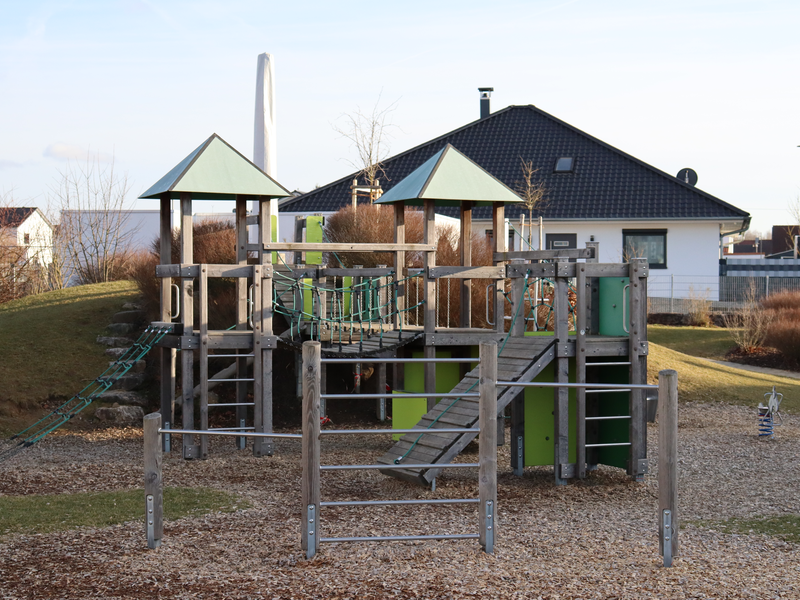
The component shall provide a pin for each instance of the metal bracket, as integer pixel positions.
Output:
(167, 447)
(311, 537)
(152, 542)
(641, 466)
(191, 452)
(520, 455)
(190, 342)
(666, 549)
(644, 349)
(567, 470)
(489, 547)
(241, 442)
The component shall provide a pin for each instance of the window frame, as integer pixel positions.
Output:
(643, 232)
(571, 166)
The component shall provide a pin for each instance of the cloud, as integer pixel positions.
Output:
(8, 164)
(61, 151)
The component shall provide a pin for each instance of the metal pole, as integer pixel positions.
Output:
(153, 488)
(668, 464)
(487, 477)
(312, 351)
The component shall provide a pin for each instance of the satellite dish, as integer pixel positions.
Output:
(687, 176)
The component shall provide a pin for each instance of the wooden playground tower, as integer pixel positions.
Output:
(597, 332)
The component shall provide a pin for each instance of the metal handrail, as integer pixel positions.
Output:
(624, 316)
(554, 384)
(177, 301)
(233, 433)
(392, 395)
(394, 431)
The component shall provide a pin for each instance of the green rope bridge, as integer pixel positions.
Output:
(61, 415)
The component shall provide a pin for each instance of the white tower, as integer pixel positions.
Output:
(264, 139)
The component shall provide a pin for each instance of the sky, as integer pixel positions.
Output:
(707, 84)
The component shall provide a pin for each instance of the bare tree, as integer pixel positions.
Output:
(369, 134)
(532, 191)
(92, 237)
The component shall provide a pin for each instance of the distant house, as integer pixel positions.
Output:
(593, 192)
(27, 230)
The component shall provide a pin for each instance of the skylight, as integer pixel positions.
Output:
(564, 164)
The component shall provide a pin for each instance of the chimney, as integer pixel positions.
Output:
(486, 94)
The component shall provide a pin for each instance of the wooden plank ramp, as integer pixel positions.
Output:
(522, 359)
(355, 345)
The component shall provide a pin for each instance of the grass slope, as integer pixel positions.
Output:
(46, 513)
(706, 342)
(701, 380)
(47, 346)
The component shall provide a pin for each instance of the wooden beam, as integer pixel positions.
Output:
(166, 355)
(399, 260)
(465, 319)
(467, 273)
(581, 332)
(187, 318)
(429, 258)
(563, 254)
(561, 399)
(325, 247)
(262, 369)
(499, 236)
(637, 466)
(241, 311)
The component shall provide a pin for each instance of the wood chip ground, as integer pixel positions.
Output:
(595, 539)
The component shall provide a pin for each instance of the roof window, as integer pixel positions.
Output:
(564, 164)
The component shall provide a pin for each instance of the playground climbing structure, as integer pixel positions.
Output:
(556, 315)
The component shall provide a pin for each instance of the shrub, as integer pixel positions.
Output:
(699, 308)
(783, 334)
(214, 243)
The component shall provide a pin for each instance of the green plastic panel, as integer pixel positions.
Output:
(612, 294)
(314, 236)
(540, 420)
(613, 404)
(406, 412)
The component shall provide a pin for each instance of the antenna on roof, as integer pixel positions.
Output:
(687, 176)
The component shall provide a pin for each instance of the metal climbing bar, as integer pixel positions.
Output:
(312, 469)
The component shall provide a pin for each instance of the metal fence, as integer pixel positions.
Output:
(686, 293)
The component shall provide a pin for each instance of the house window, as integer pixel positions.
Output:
(26, 239)
(646, 243)
(564, 164)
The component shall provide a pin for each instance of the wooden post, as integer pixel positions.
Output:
(518, 298)
(399, 260)
(637, 463)
(299, 224)
(312, 353)
(668, 465)
(561, 400)
(166, 355)
(153, 487)
(465, 319)
(187, 317)
(580, 366)
(429, 237)
(203, 310)
(262, 361)
(487, 476)
(593, 298)
(499, 236)
(241, 314)
(592, 320)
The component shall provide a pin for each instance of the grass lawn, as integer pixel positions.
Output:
(785, 527)
(706, 342)
(46, 513)
(47, 345)
(700, 380)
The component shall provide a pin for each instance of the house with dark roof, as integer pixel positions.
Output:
(28, 228)
(593, 192)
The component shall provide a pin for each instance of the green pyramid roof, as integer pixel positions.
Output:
(449, 178)
(216, 171)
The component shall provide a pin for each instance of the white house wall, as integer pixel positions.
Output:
(692, 251)
(40, 236)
